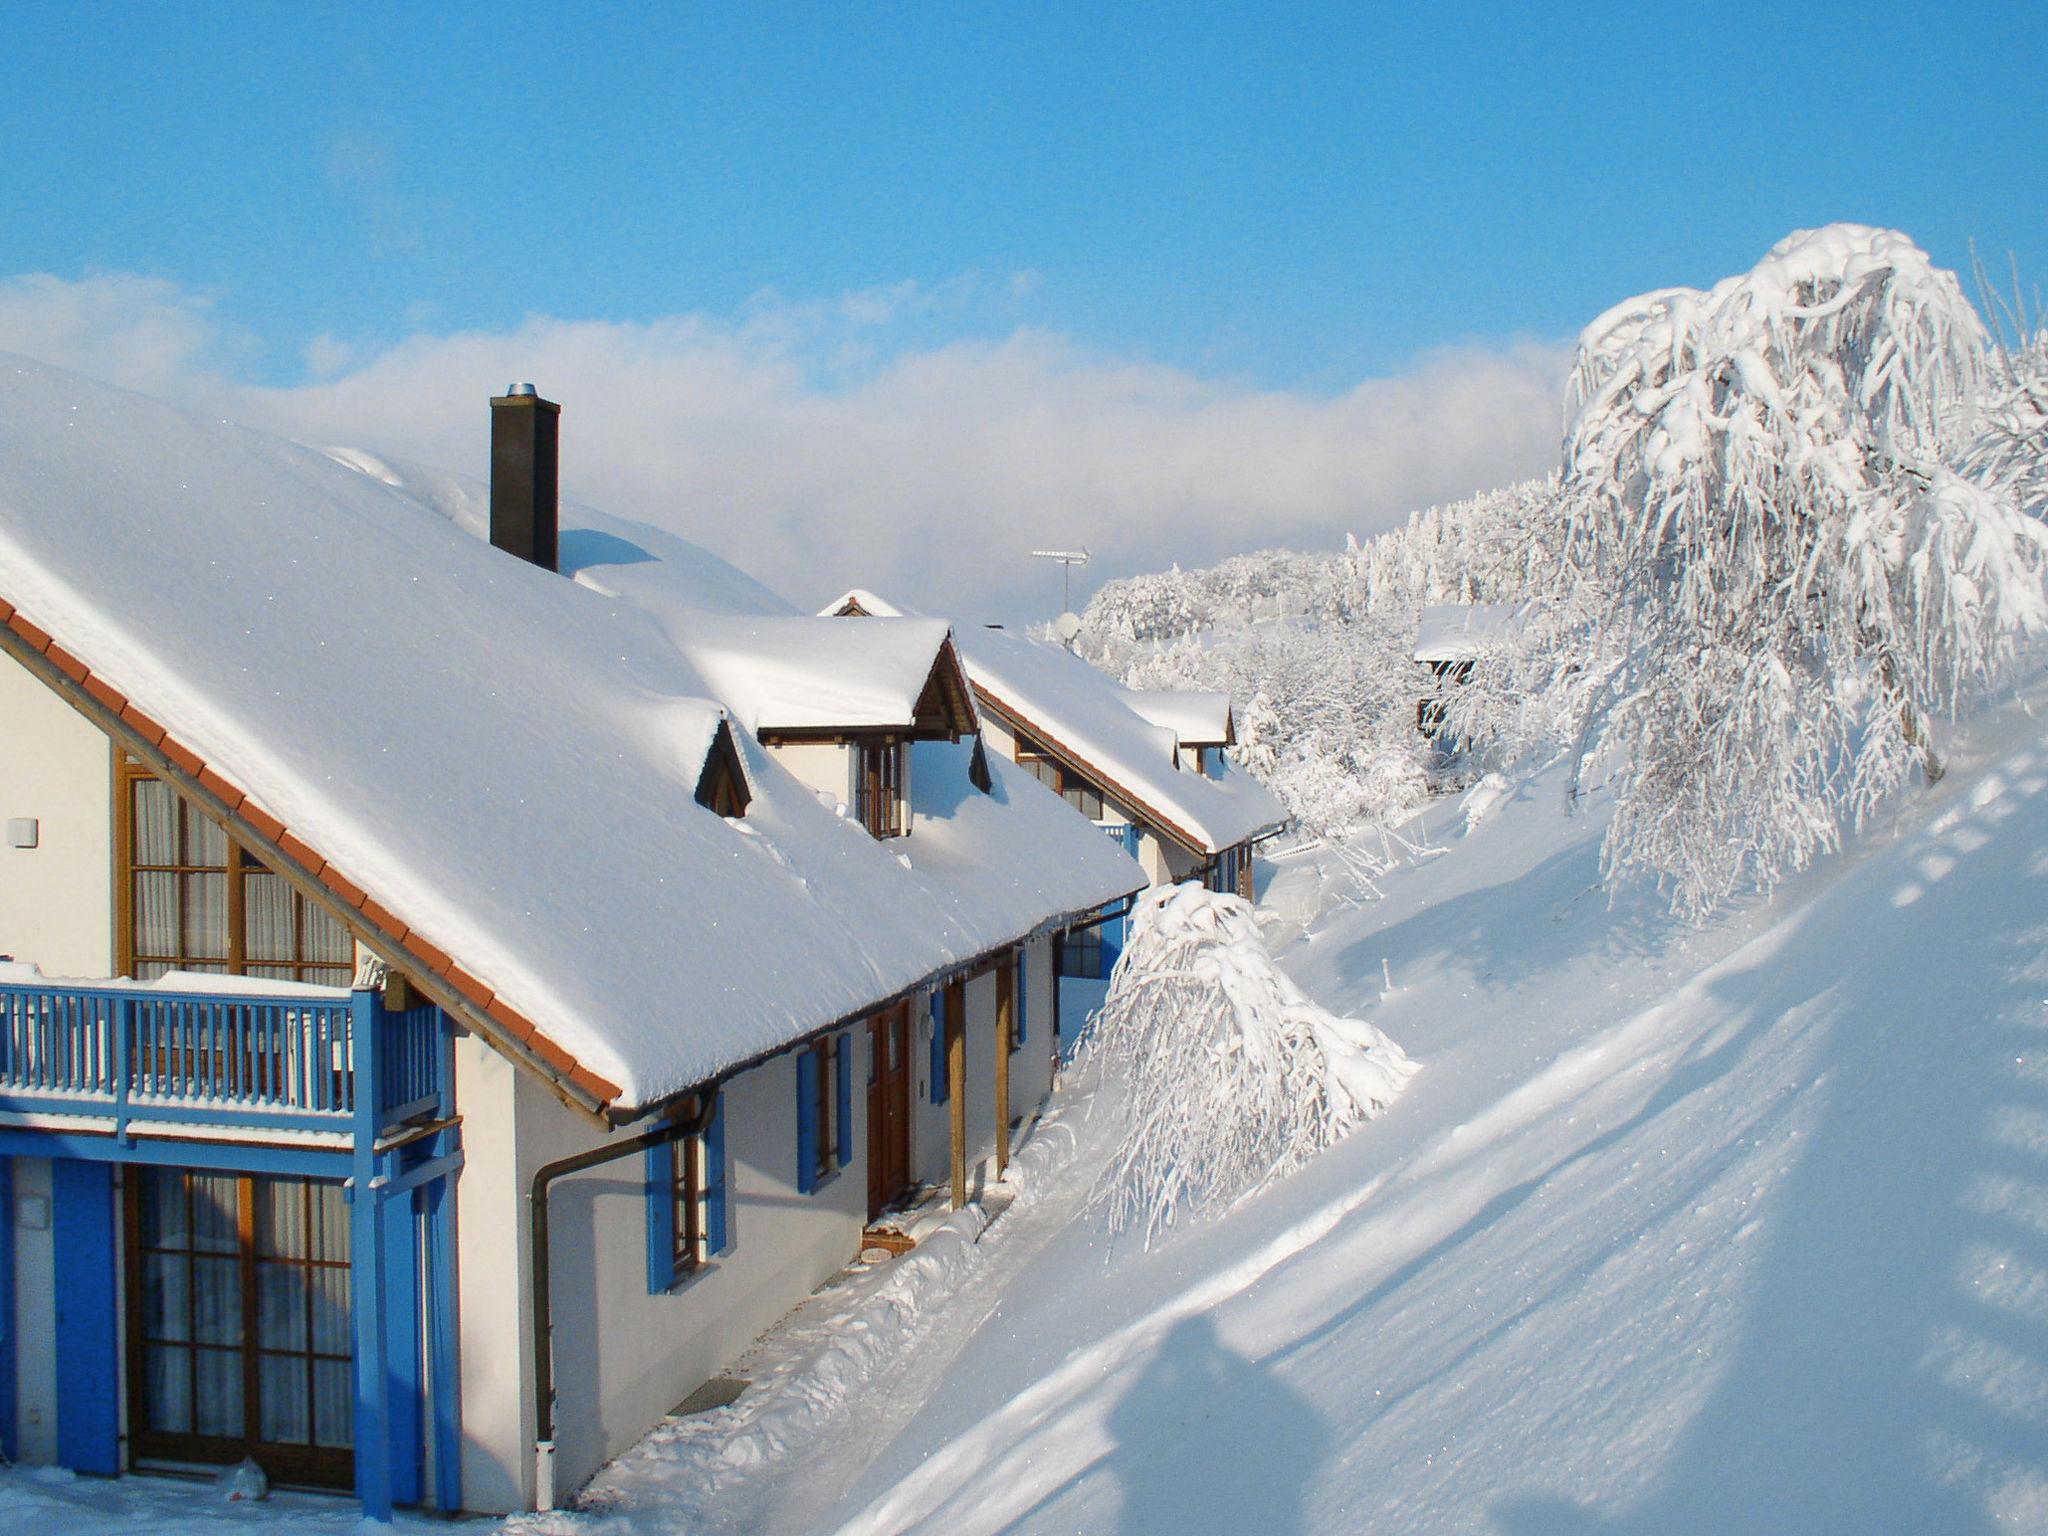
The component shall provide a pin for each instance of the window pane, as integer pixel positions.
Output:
(206, 916)
(166, 1296)
(163, 1209)
(281, 1306)
(268, 906)
(281, 1218)
(216, 1200)
(217, 1392)
(334, 1401)
(167, 1388)
(156, 914)
(281, 1389)
(323, 938)
(217, 1301)
(330, 1222)
(329, 1299)
(156, 822)
(205, 841)
(328, 975)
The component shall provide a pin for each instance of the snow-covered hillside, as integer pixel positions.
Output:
(1734, 1229)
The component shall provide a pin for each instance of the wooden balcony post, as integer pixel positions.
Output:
(366, 1267)
(956, 1076)
(1006, 1039)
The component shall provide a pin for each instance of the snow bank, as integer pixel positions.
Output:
(1225, 1074)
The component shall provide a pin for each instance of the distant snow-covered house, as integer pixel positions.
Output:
(1449, 639)
(452, 1003)
(1146, 766)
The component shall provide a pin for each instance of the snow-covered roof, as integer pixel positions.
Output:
(786, 675)
(1086, 717)
(859, 602)
(1198, 719)
(494, 766)
(777, 669)
(1460, 631)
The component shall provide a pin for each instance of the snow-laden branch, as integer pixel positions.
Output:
(1225, 1074)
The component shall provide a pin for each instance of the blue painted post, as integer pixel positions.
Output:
(124, 1026)
(402, 1377)
(88, 1368)
(806, 1121)
(367, 1272)
(444, 1340)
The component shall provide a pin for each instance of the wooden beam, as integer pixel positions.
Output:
(1006, 1038)
(956, 1075)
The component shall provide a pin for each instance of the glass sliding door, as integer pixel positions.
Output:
(238, 1314)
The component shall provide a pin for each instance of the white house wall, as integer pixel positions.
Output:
(56, 899)
(623, 1357)
(824, 766)
(1031, 1065)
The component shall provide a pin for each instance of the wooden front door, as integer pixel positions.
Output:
(239, 1341)
(888, 1108)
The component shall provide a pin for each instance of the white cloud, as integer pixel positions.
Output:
(930, 472)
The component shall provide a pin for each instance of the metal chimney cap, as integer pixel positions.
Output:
(520, 389)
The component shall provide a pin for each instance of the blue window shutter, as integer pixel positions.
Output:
(842, 1058)
(715, 1181)
(1021, 1002)
(806, 1121)
(939, 1084)
(661, 1219)
(88, 1348)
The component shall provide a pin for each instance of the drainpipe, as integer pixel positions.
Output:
(543, 1309)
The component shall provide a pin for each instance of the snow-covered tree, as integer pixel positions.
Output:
(1792, 580)
(1223, 1073)
(1317, 648)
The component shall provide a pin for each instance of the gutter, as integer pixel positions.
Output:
(543, 1299)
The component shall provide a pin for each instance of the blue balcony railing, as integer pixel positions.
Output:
(145, 1053)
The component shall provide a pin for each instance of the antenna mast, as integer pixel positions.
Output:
(1067, 559)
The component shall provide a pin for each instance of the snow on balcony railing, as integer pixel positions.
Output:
(277, 1054)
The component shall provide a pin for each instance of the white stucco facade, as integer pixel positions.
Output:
(57, 898)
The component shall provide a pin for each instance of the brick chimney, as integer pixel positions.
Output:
(525, 500)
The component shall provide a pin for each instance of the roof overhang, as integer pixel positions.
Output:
(1066, 757)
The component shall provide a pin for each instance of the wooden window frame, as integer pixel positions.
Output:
(689, 1249)
(878, 785)
(1084, 941)
(289, 1462)
(241, 863)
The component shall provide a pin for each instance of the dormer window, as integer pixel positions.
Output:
(722, 787)
(878, 786)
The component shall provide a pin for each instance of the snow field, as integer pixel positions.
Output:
(1735, 1229)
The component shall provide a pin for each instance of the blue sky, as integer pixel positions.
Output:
(1273, 200)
